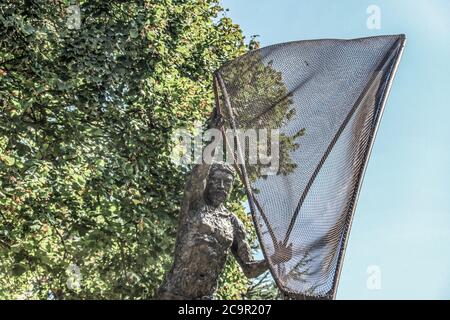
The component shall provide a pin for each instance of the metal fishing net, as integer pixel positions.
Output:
(324, 99)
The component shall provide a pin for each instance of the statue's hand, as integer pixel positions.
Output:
(217, 119)
(282, 253)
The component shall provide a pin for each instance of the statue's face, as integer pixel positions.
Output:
(218, 187)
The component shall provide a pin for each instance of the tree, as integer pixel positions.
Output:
(89, 198)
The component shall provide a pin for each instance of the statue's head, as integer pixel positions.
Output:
(219, 184)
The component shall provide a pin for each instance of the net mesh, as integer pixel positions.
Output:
(324, 99)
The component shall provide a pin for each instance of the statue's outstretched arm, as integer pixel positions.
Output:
(195, 187)
(196, 182)
(242, 252)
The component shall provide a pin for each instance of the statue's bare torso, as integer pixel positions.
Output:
(200, 254)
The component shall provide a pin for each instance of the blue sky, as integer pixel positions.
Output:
(402, 221)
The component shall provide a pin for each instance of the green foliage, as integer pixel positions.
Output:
(86, 117)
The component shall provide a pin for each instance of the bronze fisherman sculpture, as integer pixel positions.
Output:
(206, 232)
